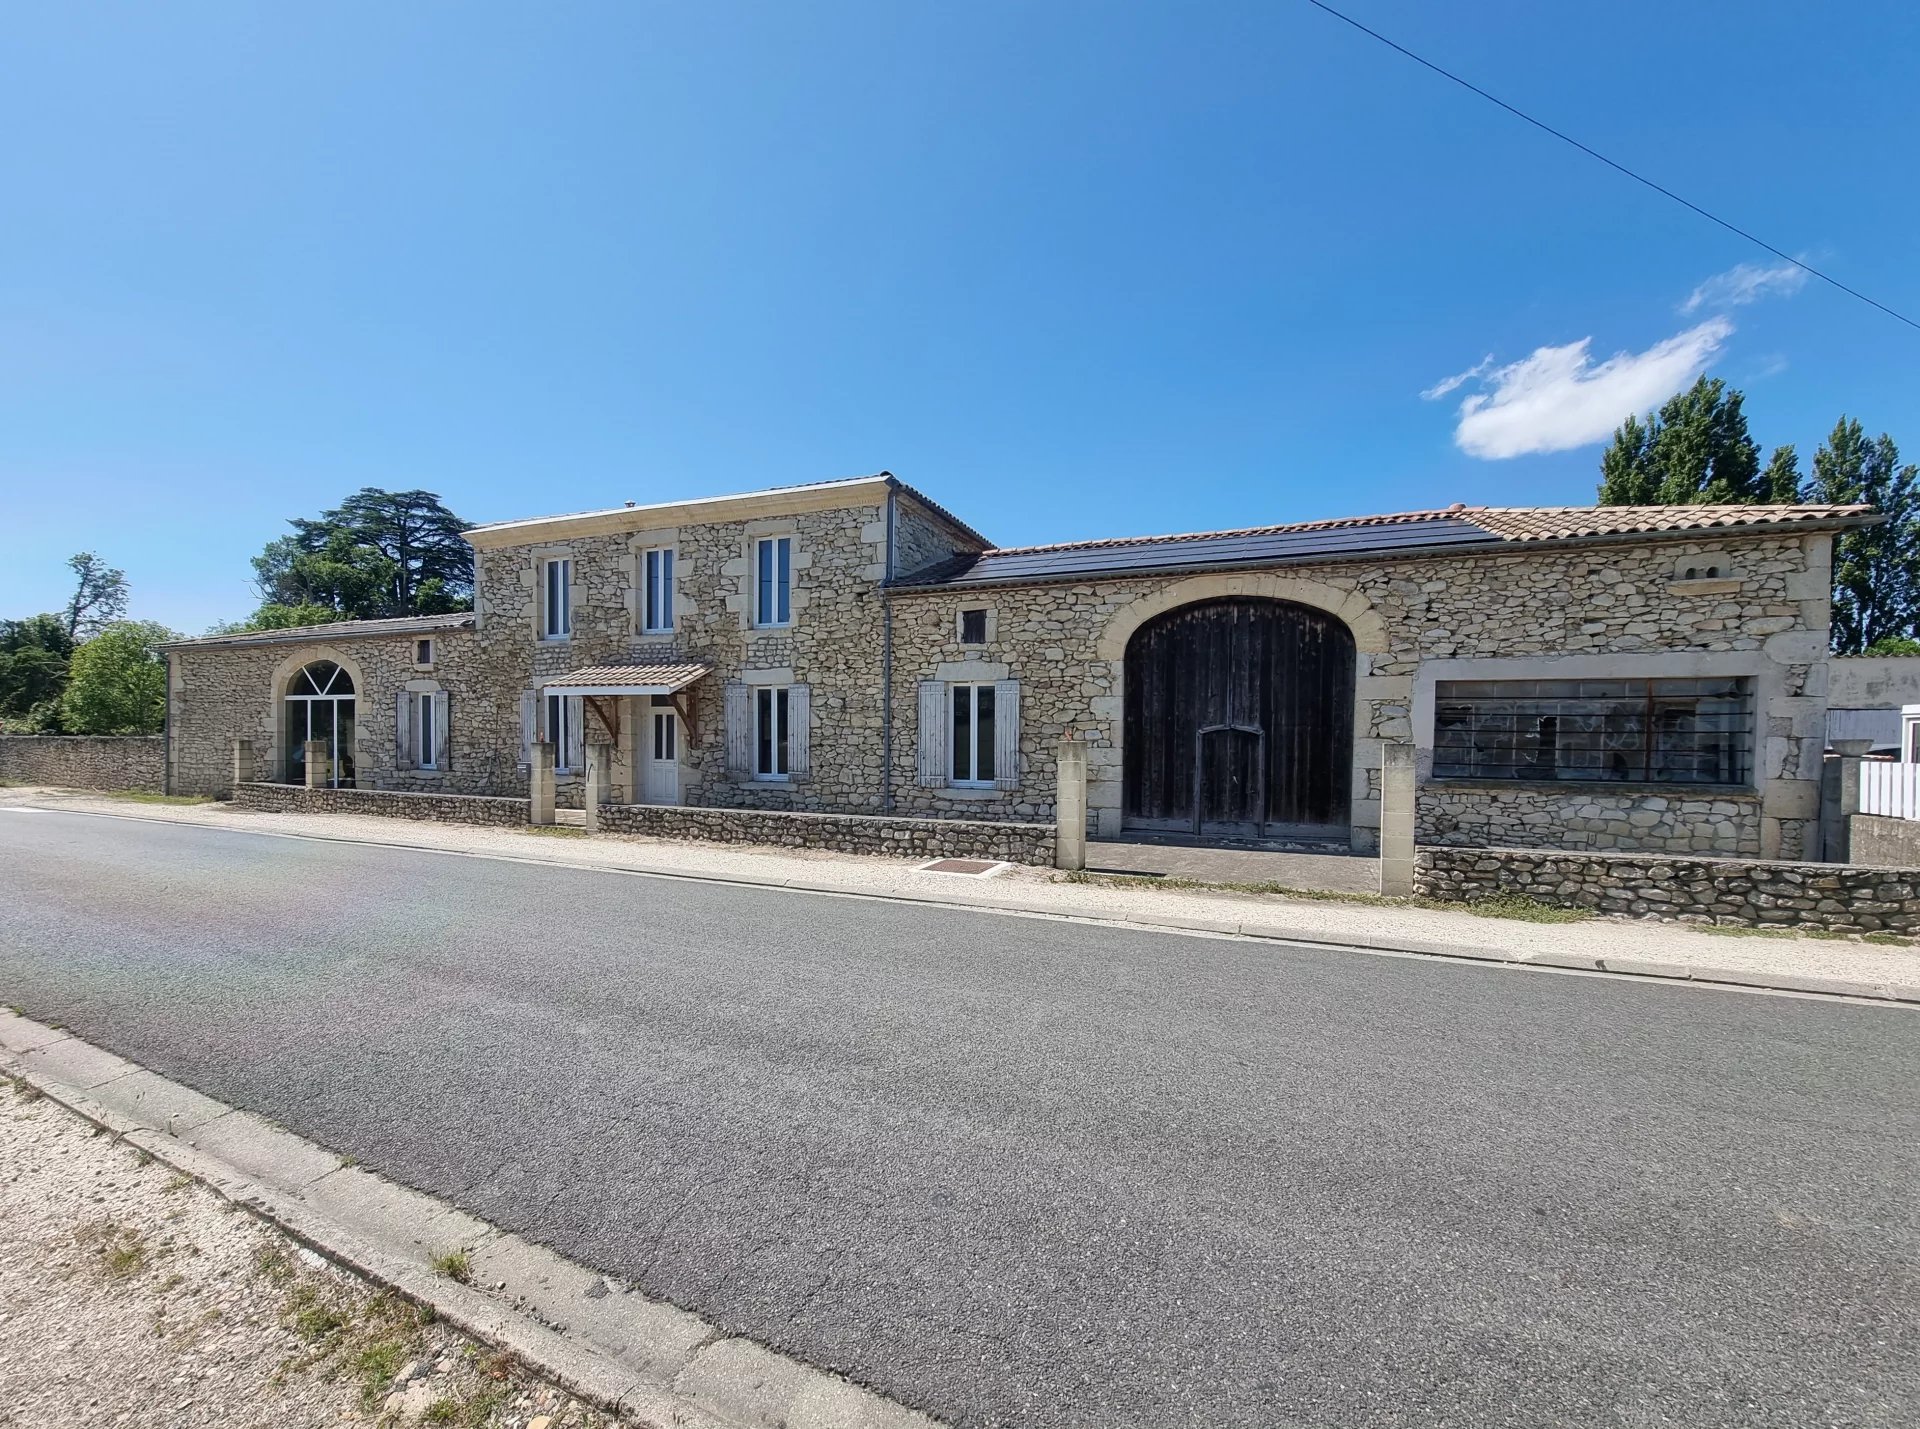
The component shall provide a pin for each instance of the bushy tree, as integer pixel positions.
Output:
(1694, 450)
(1876, 570)
(117, 681)
(33, 671)
(379, 553)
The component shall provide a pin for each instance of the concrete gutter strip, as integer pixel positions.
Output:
(641, 1359)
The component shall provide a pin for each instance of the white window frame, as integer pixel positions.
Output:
(773, 702)
(773, 591)
(969, 692)
(664, 719)
(554, 723)
(556, 613)
(658, 569)
(424, 733)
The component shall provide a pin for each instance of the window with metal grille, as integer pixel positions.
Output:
(1654, 731)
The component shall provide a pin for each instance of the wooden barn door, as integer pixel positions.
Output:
(1239, 722)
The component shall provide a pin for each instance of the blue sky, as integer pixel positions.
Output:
(1074, 269)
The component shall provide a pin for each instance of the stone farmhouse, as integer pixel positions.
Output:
(1628, 678)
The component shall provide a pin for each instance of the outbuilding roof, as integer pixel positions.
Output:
(1462, 529)
(334, 630)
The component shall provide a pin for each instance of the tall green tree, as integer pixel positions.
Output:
(277, 617)
(1695, 449)
(377, 554)
(99, 596)
(1780, 483)
(117, 681)
(33, 671)
(1876, 571)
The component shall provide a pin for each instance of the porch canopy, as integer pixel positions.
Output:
(661, 679)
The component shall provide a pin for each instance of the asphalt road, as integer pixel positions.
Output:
(1020, 1172)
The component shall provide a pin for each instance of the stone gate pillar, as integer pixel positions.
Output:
(540, 785)
(244, 771)
(1396, 820)
(319, 764)
(1070, 807)
(599, 774)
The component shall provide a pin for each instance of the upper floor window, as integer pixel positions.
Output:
(1677, 731)
(973, 626)
(423, 652)
(773, 581)
(656, 593)
(557, 616)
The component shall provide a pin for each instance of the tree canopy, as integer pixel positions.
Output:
(1694, 450)
(1876, 571)
(377, 554)
(33, 670)
(117, 681)
(99, 596)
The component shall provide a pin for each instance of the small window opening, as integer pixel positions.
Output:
(973, 627)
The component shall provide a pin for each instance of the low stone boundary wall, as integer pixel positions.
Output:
(393, 803)
(1842, 898)
(1874, 841)
(84, 761)
(842, 833)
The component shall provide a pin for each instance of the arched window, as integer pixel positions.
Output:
(319, 705)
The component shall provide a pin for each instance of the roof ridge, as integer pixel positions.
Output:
(1323, 524)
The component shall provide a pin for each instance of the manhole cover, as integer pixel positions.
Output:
(970, 867)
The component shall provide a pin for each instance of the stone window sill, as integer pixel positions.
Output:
(1589, 787)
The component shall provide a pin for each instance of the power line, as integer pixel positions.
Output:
(1622, 168)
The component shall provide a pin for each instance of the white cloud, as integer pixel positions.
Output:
(1558, 398)
(1743, 284)
(1459, 379)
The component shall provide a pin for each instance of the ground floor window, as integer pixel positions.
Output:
(1659, 731)
(771, 739)
(424, 731)
(973, 737)
(320, 706)
(560, 732)
(666, 730)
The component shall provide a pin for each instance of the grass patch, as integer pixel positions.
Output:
(469, 1413)
(1514, 906)
(1825, 935)
(151, 796)
(456, 1265)
(555, 831)
(122, 1250)
(375, 1367)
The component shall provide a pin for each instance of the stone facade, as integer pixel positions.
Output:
(862, 650)
(83, 761)
(843, 833)
(222, 692)
(393, 803)
(1751, 893)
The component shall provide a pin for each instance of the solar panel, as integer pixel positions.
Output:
(1212, 552)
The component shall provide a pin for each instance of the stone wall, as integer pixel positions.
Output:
(843, 833)
(1877, 842)
(393, 803)
(1592, 816)
(1749, 892)
(83, 761)
(219, 693)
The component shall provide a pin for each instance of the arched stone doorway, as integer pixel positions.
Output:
(1239, 722)
(319, 704)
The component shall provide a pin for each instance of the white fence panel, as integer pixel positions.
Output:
(1891, 790)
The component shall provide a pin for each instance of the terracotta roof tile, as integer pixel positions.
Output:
(667, 677)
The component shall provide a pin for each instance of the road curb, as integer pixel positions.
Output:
(641, 1359)
(1705, 975)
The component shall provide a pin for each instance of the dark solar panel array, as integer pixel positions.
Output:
(1210, 552)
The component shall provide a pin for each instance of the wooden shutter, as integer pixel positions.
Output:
(1006, 734)
(441, 744)
(576, 734)
(529, 719)
(799, 728)
(933, 734)
(403, 757)
(739, 729)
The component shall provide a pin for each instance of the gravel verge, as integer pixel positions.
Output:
(133, 1296)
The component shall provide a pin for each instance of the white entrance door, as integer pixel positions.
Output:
(661, 758)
